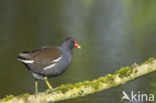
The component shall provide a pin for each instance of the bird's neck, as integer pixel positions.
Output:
(66, 49)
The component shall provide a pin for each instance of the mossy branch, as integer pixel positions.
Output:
(69, 91)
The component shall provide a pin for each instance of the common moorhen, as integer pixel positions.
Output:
(48, 61)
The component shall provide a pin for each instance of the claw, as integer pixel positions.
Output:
(51, 90)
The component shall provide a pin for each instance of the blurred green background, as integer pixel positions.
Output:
(112, 34)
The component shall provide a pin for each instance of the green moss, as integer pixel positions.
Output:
(87, 83)
(8, 97)
(77, 85)
(109, 77)
(149, 60)
(64, 90)
(66, 87)
(96, 85)
(69, 86)
(125, 71)
(101, 79)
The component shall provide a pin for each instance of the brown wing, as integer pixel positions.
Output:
(44, 55)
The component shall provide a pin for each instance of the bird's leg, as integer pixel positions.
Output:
(48, 84)
(36, 85)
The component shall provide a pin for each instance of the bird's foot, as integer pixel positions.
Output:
(51, 90)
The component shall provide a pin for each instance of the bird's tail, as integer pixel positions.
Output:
(24, 57)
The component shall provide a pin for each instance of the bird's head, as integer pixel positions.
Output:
(70, 43)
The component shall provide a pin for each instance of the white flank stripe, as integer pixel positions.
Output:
(50, 66)
(56, 60)
(27, 61)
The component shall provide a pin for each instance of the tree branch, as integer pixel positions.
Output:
(80, 89)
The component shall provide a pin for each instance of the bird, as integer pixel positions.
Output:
(48, 61)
